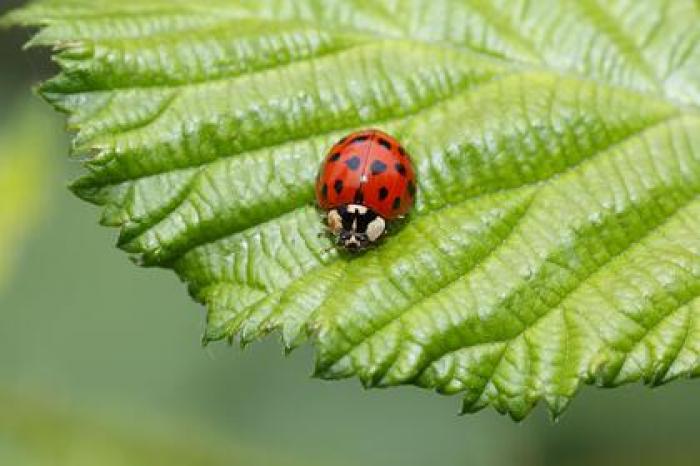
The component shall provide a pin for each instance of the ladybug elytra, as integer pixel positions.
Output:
(365, 180)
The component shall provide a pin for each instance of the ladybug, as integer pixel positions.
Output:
(365, 180)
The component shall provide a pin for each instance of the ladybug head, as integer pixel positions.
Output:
(355, 226)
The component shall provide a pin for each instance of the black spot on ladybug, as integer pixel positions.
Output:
(402, 151)
(338, 186)
(359, 139)
(378, 167)
(364, 220)
(384, 143)
(324, 190)
(412, 188)
(340, 141)
(401, 169)
(334, 157)
(397, 203)
(346, 217)
(359, 197)
(383, 193)
(353, 163)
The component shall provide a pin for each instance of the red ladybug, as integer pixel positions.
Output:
(366, 179)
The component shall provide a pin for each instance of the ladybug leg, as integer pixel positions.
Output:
(329, 249)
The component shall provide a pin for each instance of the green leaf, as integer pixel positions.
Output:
(555, 237)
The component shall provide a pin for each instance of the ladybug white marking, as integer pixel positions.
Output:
(375, 228)
(335, 223)
(355, 225)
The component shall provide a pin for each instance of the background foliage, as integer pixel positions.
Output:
(22, 181)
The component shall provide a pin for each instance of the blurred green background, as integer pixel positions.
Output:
(100, 361)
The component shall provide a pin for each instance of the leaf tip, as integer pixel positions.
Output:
(84, 189)
(557, 405)
(323, 370)
(136, 259)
